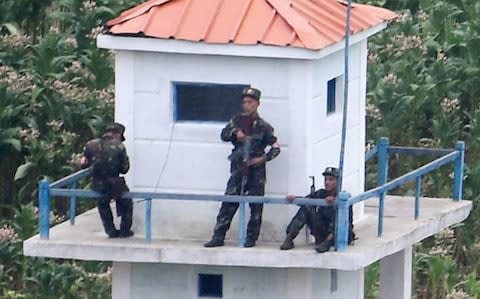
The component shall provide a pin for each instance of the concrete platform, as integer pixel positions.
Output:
(86, 241)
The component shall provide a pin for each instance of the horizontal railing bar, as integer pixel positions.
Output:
(419, 151)
(70, 178)
(364, 196)
(78, 192)
(371, 153)
(199, 197)
(420, 171)
(404, 178)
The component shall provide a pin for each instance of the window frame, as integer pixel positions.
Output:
(334, 95)
(331, 96)
(176, 106)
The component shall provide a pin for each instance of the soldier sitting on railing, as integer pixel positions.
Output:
(320, 219)
(107, 158)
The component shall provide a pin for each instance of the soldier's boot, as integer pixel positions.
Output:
(288, 243)
(113, 233)
(107, 219)
(292, 232)
(325, 245)
(214, 242)
(126, 214)
(224, 219)
(125, 233)
(254, 224)
(249, 243)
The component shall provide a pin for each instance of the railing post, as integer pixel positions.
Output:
(382, 179)
(458, 171)
(341, 239)
(418, 193)
(44, 203)
(241, 224)
(73, 204)
(148, 220)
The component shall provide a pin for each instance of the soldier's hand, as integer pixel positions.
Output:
(241, 136)
(330, 199)
(256, 161)
(291, 197)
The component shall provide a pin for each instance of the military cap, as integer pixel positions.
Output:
(116, 128)
(331, 171)
(251, 92)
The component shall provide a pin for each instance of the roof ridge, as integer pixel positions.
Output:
(306, 33)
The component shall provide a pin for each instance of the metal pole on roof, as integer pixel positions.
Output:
(333, 272)
(345, 96)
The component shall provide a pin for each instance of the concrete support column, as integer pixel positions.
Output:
(299, 283)
(396, 275)
(121, 280)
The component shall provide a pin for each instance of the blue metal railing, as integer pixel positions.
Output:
(381, 151)
(48, 190)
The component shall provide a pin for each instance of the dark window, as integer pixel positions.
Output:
(207, 102)
(331, 96)
(210, 285)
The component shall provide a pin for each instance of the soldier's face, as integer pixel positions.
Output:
(250, 105)
(330, 183)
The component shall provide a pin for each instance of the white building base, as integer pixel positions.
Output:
(165, 268)
(166, 281)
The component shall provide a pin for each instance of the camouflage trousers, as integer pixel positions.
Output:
(112, 189)
(255, 186)
(320, 220)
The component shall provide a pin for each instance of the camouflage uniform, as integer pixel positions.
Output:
(262, 135)
(319, 219)
(108, 158)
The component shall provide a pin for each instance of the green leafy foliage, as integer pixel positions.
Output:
(424, 90)
(56, 92)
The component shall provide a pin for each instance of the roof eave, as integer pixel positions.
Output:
(123, 43)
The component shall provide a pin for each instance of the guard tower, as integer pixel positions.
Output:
(173, 57)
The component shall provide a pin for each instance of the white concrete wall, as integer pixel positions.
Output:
(158, 281)
(189, 157)
(327, 128)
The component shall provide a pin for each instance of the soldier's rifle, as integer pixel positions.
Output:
(245, 162)
(312, 186)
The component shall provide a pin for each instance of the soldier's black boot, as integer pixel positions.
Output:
(125, 225)
(214, 242)
(249, 243)
(324, 246)
(287, 244)
(219, 231)
(107, 218)
(125, 233)
(113, 233)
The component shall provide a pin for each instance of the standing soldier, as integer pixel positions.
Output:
(250, 135)
(108, 158)
(320, 219)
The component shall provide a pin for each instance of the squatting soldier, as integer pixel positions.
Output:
(108, 158)
(250, 135)
(319, 219)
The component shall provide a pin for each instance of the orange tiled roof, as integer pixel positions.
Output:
(311, 24)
